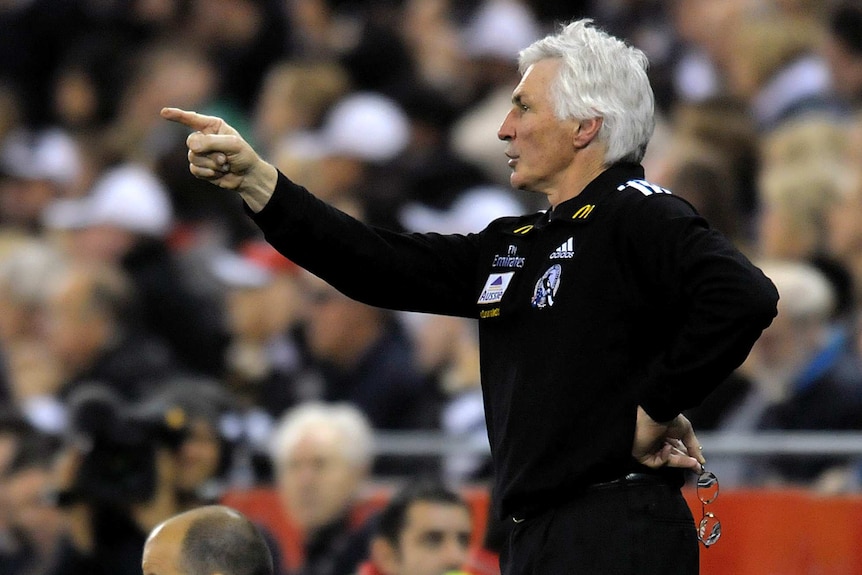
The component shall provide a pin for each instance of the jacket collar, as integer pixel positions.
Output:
(581, 206)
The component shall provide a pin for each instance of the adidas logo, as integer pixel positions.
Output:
(565, 251)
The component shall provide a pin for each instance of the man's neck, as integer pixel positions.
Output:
(585, 168)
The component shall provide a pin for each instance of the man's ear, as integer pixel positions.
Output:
(384, 556)
(585, 132)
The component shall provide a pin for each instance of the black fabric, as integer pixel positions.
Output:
(619, 529)
(649, 307)
(336, 549)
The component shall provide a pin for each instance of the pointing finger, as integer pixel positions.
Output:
(193, 120)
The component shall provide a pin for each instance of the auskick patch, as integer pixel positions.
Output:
(495, 287)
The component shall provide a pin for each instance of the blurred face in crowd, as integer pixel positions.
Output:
(539, 146)
(102, 243)
(257, 314)
(434, 541)
(845, 66)
(22, 201)
(28, 510)
(75, 331)
(338, 329)
(199, 456)
(317, 480)
(844, 228)
(782, 350)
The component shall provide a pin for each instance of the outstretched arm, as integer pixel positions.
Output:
(217, 153)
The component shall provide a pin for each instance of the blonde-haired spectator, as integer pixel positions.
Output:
(804, 140)
(844, 229)
(296, 96)
(795, 205)
(776, 69)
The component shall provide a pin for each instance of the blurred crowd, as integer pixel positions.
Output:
(142, 312)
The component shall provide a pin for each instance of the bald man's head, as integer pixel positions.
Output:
(207, 541)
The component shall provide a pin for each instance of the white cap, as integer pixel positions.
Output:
(130, 197)
(501, 28)
(363, 125)
(51, 155)
(235, 271)
(474, 209)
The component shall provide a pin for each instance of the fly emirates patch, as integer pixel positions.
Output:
(510, 260)
(495, 287)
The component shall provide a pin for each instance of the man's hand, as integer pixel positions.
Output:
(672, 444)
(217, 153)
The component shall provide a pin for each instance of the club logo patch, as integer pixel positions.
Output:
(546, 287)
(495, 287)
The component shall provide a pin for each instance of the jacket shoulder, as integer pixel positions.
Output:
(643, 195)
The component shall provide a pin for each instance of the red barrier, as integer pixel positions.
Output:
(264, 506)
(764, 532)
(784, 532)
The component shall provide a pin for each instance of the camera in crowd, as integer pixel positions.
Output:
(119, 442)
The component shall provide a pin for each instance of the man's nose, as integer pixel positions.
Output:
(506, 132)
(455, 554)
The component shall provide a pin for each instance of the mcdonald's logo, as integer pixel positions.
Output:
(583, 212)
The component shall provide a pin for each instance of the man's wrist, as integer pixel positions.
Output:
(258, 186)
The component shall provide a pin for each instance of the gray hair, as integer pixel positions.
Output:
(351, 424)
(599, 76)
(806, 294)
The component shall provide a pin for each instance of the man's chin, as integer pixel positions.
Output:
(518, 183)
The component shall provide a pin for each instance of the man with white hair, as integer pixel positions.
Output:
(809, 374)
(322, 455)
(600, 319)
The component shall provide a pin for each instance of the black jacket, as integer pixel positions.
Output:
(619, 297)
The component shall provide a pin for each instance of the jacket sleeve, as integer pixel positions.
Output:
(717, 303)
(431, 273)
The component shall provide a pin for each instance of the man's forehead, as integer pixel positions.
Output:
(535, 78)
(437, 514)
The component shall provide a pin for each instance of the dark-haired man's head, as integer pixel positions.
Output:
(424, 530)
(207, 541)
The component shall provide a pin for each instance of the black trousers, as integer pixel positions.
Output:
(620, 528)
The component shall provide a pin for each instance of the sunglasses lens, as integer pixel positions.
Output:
(709, 530)
(707, 487)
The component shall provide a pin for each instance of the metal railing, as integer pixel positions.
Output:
(809, 443)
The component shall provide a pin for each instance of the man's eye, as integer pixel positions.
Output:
(433, 539)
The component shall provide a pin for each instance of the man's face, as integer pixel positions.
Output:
(540, 146)
(74, 332)
(434, 540)
(317, 481)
